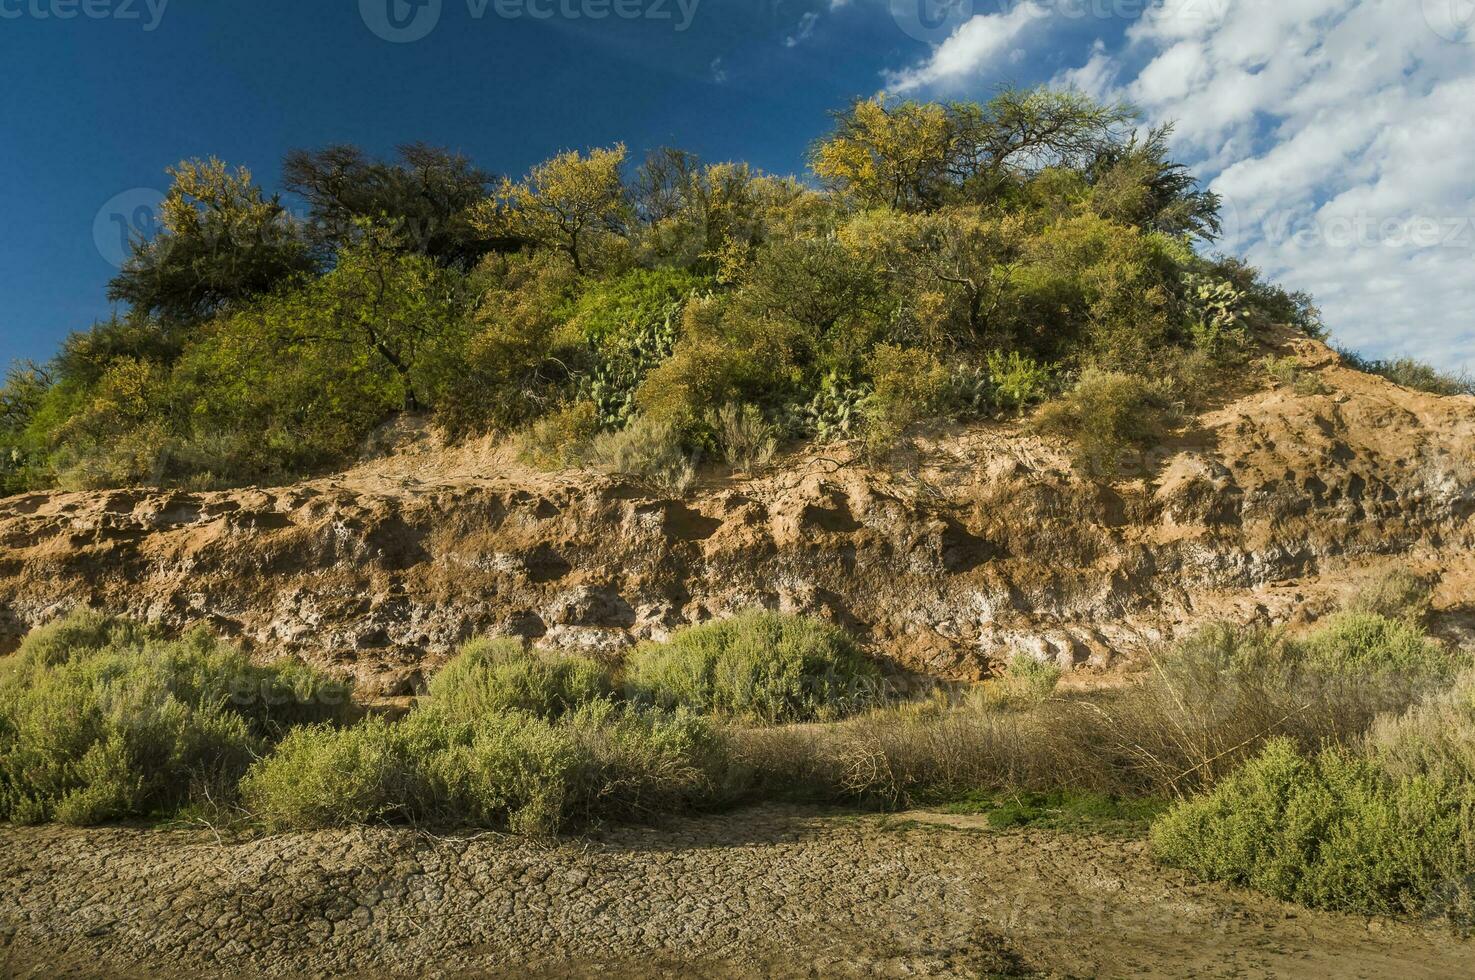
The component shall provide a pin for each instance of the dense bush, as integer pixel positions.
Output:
(649, 449)
(944, 271)
(1112, 418)
(756, 665)
(494, 676)
(1367, 644)
(102, 720)
(324, 776)
(1411, 373)
(1333, 831)
(497, 769)
(747, 440)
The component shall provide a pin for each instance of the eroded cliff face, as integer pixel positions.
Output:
(984, 543)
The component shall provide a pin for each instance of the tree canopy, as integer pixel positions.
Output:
(942, 261)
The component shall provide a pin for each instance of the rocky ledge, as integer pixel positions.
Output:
(982, 541)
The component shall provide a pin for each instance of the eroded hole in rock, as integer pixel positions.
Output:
(683, 523)
(546, 565)
(837, 520)
(963, 551)
(263, 521)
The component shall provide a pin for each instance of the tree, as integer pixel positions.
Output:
(424, 199)
(397, 305)
(955, 266)
(915, 156)
(1135, 183)
(573, 203)
(1025, 131)
(895, 155)
(222, 241)
(21, 398)
(711, 216)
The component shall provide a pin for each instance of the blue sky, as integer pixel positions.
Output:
(1304, 112)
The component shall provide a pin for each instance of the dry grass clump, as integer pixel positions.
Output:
(894, 757)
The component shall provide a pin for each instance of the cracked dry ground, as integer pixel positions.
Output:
(766, 892)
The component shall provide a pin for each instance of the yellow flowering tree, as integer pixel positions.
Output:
(572, 203)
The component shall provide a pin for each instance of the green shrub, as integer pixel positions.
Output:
(909, 385)
(648, 449)
(757, 665)
(1026, 681)
(630, 325)
(1366, 644)
(1396, 594)
(747, 440)
(1329, 831)
(511, 770)
(562, 437)
(494, 676)
(102, 720)
(1411, 373)
(1290, 372)
(1110, 417)
(1019, 381)
(637, 764)
(322, 776)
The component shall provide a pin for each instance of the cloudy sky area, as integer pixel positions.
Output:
(1341, 134)
(1338, 131)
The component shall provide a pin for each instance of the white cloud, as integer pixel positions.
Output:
(978, 42)
(1339, 133)
(806, 27)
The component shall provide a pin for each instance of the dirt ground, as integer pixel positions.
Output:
(769, 892)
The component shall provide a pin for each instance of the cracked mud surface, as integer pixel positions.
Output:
(767, 892)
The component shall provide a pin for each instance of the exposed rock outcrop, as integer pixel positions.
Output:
(983, 544)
